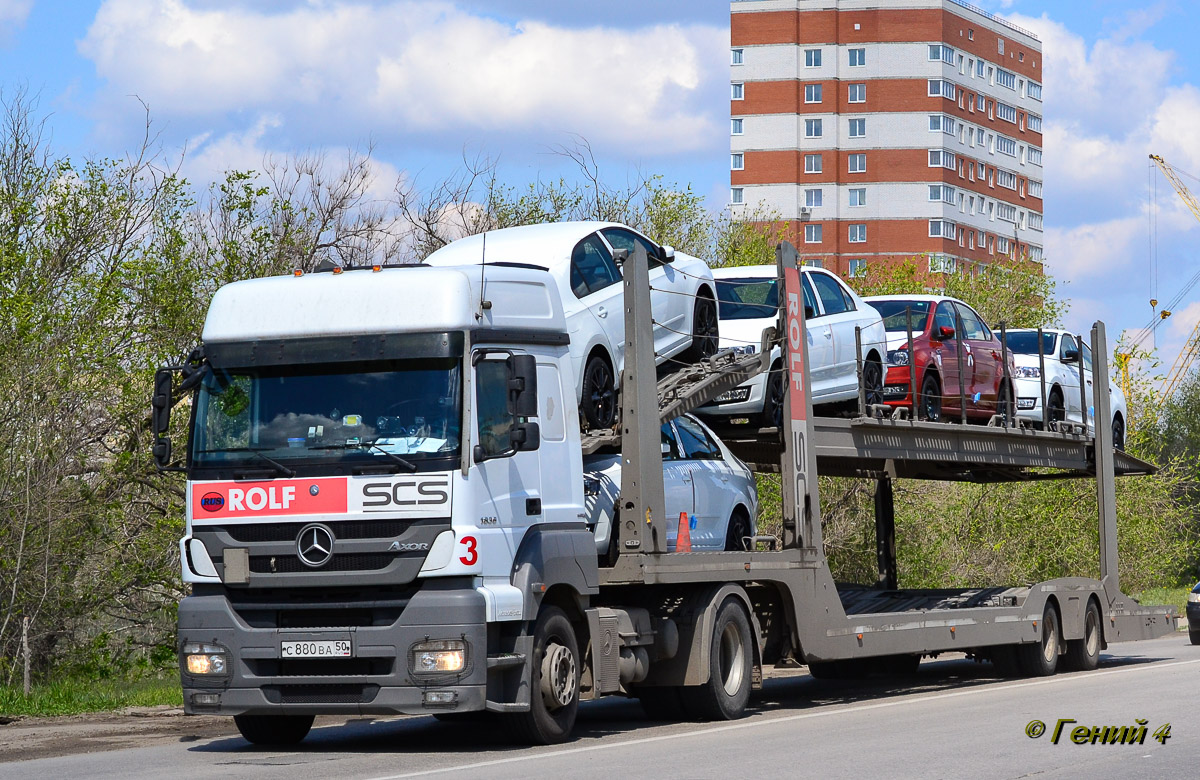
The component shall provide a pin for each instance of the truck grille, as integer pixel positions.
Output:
(286, 532)
(339, 693)
(321, 667)
(329, 608)
(289, 564)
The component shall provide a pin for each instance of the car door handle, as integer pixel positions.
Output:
(995, 355)
(601, 312)
(829, 334)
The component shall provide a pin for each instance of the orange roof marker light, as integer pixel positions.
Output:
(376, 268)
(298, 272)
(337, 269)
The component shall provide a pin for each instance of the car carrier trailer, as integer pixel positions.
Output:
(475, 586)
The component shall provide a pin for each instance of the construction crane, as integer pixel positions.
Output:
(1187, 355)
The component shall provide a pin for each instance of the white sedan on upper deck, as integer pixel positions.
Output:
(579, 255)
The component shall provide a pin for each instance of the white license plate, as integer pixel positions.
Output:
(339, 648)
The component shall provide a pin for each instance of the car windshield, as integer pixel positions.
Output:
(1025, 342)
(351, 413)
(747, 298)
(893, 315)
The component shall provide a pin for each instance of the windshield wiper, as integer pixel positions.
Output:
(280, 469)
(406, 464)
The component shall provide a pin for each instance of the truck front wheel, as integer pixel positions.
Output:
(554, 682)
(273, 729)
(730, 663)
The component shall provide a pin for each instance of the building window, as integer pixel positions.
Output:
(1006, 78)
(1035, 221)
(943, 88)
(812, 128)
(858, 128)
(942, 264)
(858, 234)
(812, 234)
(940, 158)
(858, 196)
(1006, 212)
(1006, 112)
(1033, 90)
(812, 93)
(812, 163)
(858, 163)
(1002, 245)
(813, 198)
(858, 93)
(737, 161)
(813, 263)
(1035, 254)
(970, 35)
(941, 192)
(1000, 45)
(737, 195)
(940, 51)
(736, 126)
(858, 58)
(1006, 145)
(858, 269)
(812, 58)
(947, 124)
(736, 56)
(737, 91)
(1035, 155)
(942, 228)
(980, 104)
(1035, 189)
(979, 69)
(1034, 123)
(1006, 179)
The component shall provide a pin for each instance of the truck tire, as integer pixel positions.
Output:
(1083, 655)
(660, 703)
(273, 729)
(1040, 659)
(730, 662)
(554, 683)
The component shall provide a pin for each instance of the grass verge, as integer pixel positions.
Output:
(74, 696)
(1173, 597)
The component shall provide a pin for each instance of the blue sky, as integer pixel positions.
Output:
(644, 82)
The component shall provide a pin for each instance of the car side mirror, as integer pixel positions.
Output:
(668, 254)
(1070, 355)
(160, 416)
(945, 332)
(665, 448)
(808, 312)
(522, 385)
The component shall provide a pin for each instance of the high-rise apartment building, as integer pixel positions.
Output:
(882, 130)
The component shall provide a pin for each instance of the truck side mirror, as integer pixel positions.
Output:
(522, 385)
(160, 416)
(525, 436)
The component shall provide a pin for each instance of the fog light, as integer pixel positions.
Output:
(206, 699)
(203, 659)
(438, 656)
(439, 698)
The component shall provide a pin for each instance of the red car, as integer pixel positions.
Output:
(939, 326)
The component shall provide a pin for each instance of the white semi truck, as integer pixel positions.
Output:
(386, 513)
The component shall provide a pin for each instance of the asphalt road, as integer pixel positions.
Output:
(955, 719)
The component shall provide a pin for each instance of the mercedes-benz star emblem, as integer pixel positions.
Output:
(314, 545)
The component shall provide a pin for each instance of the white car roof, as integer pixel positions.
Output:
(543, 244)
(1049, 331)
(930, 298)
(745, 271)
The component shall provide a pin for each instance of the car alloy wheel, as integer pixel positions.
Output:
(931, 399)
(873, 382)
(705, 329)
(599, 395)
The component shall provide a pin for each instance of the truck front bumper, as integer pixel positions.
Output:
(375, 679)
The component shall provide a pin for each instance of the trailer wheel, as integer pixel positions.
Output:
(1083, 655)
(554, 682)
(1040, 659)
(730, 661)
(273, 729)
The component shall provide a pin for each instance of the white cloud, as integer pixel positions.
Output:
(406, 67)
(13, 14)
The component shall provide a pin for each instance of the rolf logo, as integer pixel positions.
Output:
(212, 502)
(258, 498)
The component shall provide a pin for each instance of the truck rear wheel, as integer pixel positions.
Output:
(1083, 655)
(273, 729)
(1040, 659)
(730, 662)
(554, 682)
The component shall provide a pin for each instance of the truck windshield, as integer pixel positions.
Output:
(350, 414)
(747, 299)
(1024, 342)
(893, 315)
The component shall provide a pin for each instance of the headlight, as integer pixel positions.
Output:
(744, 349)
(1028, 372)
(201, 659)
(1194, 598)
(438, 656)
(898, 357)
